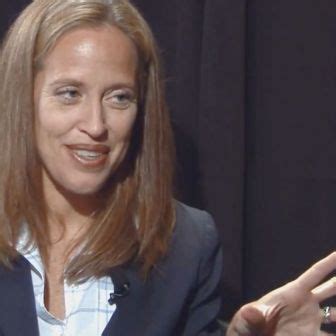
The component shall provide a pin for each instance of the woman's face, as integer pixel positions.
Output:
(85, 108)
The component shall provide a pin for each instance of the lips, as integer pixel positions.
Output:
(88, 155)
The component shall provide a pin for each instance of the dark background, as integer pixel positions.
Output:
(251, 88)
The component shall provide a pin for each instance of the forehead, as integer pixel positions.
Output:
(85, 46)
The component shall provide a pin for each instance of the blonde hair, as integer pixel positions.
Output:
(142, 187)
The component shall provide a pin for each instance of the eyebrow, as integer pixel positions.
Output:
(66, 81)
(75, 82)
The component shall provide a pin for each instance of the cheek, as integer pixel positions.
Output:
(48, 123)
(121, 128)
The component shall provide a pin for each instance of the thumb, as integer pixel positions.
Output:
(249, 320)
(255, 314)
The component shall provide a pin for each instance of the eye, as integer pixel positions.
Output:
(121, 99)
(68, 95)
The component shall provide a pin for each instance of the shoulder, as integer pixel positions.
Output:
(194, 227)
(195, 239)
(193, 269)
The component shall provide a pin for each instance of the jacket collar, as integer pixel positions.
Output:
(17, 303)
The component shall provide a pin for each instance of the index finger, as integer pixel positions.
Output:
(316, 273)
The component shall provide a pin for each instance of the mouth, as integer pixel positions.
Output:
(89, 156)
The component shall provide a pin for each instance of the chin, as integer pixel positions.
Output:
(84, 189)
(83, 186)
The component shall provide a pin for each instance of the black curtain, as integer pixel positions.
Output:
(251, 85)
(291, 139)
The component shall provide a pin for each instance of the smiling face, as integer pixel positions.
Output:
(85, 108)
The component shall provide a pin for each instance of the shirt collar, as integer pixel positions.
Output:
(31, 253)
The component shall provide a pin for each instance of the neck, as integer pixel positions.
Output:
(68, 214)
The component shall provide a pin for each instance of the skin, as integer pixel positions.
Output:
(85, 110)
(291, 310)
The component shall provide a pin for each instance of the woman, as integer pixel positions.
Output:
(87, 185)
(91, 240)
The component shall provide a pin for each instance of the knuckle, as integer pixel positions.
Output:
(333, 282)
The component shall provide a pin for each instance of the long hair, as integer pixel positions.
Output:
(137, 215)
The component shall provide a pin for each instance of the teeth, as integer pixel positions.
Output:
(87, 155)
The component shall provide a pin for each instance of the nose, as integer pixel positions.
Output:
(93, 120)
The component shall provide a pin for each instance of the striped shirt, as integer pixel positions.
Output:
(87, 310)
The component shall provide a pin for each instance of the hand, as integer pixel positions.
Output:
(291, 310)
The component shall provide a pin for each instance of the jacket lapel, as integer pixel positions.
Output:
(128, 319)
(17, 303)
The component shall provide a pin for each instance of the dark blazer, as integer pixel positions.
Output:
(180, 297)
